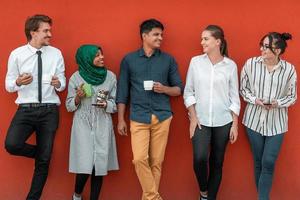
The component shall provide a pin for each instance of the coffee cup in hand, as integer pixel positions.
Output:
(148, 85)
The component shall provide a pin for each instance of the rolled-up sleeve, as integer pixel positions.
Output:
(60, 73)
(12, 75)
(235, 103)
(189, 90)
(111, 101)
(291, 93)
(70, 101)
(245, 90)
(123, 83)
(174, 77)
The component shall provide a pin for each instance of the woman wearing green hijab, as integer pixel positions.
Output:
(91, 96)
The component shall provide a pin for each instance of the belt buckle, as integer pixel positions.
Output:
(35, 105)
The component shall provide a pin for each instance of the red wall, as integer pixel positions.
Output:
(114, 25)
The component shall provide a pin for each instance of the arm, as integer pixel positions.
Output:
(12, 75)
(174, 80)
(171, 91)
(75, 93)
(234, 93)
(122, 96)
(234, 128)
(59, 79)
(111, 106)
(291, 94)
(122, 127)
(245, 89)
(190, 100)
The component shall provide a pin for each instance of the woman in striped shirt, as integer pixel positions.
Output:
(268, 85)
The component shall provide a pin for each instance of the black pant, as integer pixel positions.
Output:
(214, 139)
(44, 122)
(96, 183)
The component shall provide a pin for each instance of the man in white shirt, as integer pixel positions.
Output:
(35, 71)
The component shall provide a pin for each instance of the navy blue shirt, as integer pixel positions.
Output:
(135, 68)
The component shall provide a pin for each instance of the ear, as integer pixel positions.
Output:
(32, 33)
(219, 42)
(144, 35)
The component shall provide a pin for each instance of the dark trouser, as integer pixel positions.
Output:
(265, 151)
(96, 183)
(214, 139)
(44, 122)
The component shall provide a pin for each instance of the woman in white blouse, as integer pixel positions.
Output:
(212, 99)
(268, 85)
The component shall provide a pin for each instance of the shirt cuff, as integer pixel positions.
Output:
(110, 107)
(252, 99)
(72, 106)
(189, 101)
(235, 109)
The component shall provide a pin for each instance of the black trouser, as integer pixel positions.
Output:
(214, 139)
(96, 183)
(44, 122)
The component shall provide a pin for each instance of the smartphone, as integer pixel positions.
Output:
(267, 104)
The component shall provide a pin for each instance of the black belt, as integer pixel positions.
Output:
(36, 105)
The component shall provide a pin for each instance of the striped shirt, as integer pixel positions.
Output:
(279, 85)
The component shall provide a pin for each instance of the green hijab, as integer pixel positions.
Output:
(92, 74)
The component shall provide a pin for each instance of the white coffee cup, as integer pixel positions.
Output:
(148, 85)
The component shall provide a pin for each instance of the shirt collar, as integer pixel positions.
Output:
(142, 52)
(279, 64)
(33, 49)
(224, 61)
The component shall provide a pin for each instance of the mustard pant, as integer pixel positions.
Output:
(148, 142)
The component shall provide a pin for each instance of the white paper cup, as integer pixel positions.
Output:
(148, 85)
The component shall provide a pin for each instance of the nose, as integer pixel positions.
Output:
(160, 37)
(261, 48)
(49, 34)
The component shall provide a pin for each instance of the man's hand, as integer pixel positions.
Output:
(158, 87)
(24, 79)
(55, 82)
(122, 127)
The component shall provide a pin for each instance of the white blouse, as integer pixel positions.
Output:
(213, 89)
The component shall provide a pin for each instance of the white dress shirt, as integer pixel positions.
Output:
(25, 60)
(213, 89)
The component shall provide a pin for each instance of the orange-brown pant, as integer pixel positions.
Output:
(148, 143)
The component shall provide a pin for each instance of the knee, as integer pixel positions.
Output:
(140, 161)
(268, 164)
(200, 159)
(12, 147)
(155, 162)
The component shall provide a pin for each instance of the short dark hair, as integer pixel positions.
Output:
(278, 40)
(147, 25)
(33, 23)
(218, 33)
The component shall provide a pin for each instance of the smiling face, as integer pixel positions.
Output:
(99, 59)
(209, 43)
(153, 38)
(266, 51)
(41, 37)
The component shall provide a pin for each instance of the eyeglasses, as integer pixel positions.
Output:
(266, 46)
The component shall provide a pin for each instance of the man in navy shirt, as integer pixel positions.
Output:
(148, 77)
